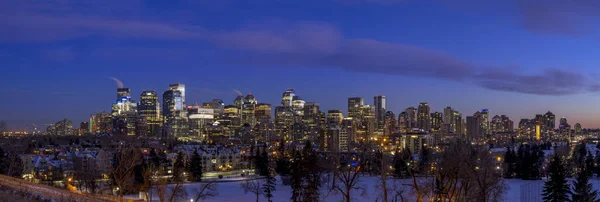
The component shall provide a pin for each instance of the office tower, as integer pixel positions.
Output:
(354, 104)
(485, 122)
(181, 88)
(311, 119)
(199, 120)
(288, 97)
(284, 119)
(175, 111)
(436, 121)
(380, 109)
(248, 110)
(123, 93)
(217, 105)
(231, 115)
(389, 123)
(263, 113)
(149, 109)
(124, 113)
(423, 117)
(298, 108)
(334, 118)
(474, 127)
(550, 121)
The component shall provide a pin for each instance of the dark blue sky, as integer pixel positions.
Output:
(514, 57)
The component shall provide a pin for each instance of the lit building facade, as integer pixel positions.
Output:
(424, 117)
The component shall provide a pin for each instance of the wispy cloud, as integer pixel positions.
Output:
(303, 44)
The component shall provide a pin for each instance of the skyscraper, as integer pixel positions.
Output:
(123, 93)
(181, 88)
(288, 97)
(423, 117)
(390, 123)
(412, 118)
(436, 121)
(263, 113)
(175, 111)
(380, 109)
(474, 127)
(550, 120)
(485, 121)
(354, 104)
(334, 118)
(149, 109)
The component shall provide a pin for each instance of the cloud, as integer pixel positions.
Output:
(300, 44)
(572, 18)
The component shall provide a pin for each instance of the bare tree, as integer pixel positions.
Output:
(383, 173)
(467, 173)
(254, 186)
(170, 194)
(207, 190)
(127, 158)
(348, 176)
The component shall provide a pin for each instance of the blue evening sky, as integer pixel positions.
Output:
(518, 58)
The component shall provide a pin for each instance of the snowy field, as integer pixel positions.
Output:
(518, 190)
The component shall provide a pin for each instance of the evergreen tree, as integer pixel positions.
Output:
(283, 163)
(589, 165)
(401, 161)
(178, 167)
(154, 160)
(520, 164)
(312, 175)
(296, 177)
(556, 189)
(195, 167)
(269, 185)
(582, 189)
(509, 161)
(2, 161)
(424, 160)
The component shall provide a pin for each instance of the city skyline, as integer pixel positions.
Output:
(514, 58)
(123, 91)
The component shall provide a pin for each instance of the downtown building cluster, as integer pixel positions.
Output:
(245, 120)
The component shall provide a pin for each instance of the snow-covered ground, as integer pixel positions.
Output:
(518, 190)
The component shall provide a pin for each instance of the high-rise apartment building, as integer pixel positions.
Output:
(549, 121)
(412, 118)
(389, 123)
(424, 117)
(485, 121)
(474, 127)
(436, 121)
